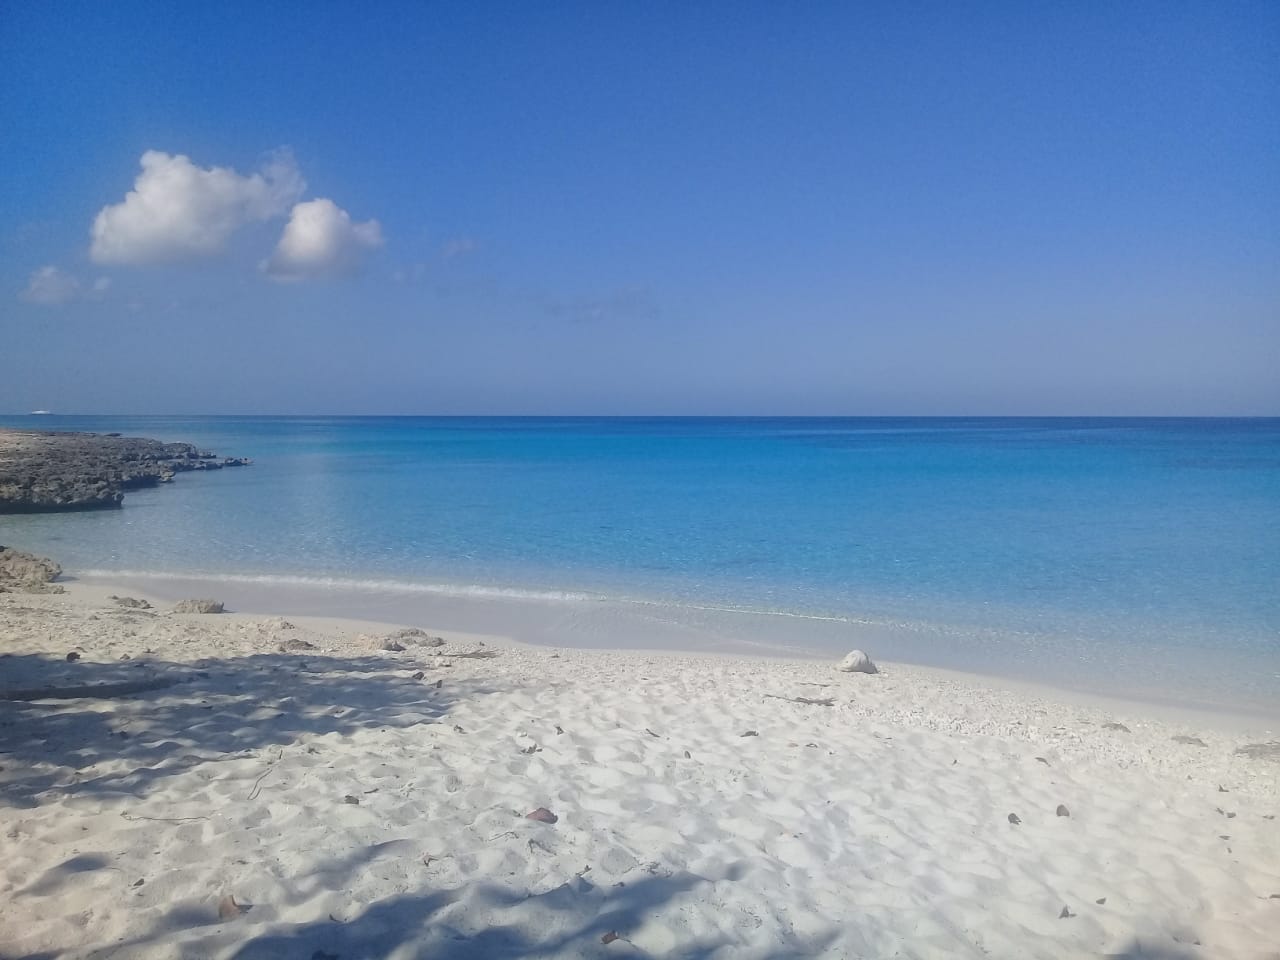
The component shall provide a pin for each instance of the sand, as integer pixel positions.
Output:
(353, 802)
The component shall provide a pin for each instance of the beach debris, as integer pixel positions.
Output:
(1066, 913)
(651, 733)
(1260, 751)
(289, 646)
(542, 815)
(72, 657)
(808, 701)
(1015, 819)
(458, 729)
(1043, 760)
(1100, 901)
(1114, 725)
(611, 936)
(1189, 741)
(1222, 789)
(531, 749)
(1062, 810)
(559, 730)
(198, 606)
(137, 883)
(130, 602)
(229, 909)
(476, 655)
(855, 661)
(390, 646)
(749, 733)
(418, 675)
(355, 801)
(688, 755)
(439, 684)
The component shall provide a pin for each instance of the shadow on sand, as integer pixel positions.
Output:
(210, 709)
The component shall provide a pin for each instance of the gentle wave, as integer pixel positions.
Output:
(480, 591)
(351, 583)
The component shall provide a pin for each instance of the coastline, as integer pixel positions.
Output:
(583, 621)
(704, 803)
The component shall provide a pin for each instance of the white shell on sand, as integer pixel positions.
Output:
(855, 661)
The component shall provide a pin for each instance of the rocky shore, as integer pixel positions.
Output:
(55, 471)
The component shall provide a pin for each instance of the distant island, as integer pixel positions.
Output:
(48, 471)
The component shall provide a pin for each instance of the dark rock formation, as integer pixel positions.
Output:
(48, 471)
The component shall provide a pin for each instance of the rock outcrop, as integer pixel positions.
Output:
(26, 573)
(198, 606)
(52, 471)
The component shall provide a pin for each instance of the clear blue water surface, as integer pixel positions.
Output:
(1160, 533)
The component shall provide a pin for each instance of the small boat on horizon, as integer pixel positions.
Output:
(41, 413)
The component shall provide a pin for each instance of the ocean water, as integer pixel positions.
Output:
(1135, 556)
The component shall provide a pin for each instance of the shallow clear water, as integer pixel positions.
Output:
(1107, 547)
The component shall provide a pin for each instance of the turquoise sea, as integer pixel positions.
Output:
(1135, 556)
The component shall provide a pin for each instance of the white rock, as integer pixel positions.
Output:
(857, 662)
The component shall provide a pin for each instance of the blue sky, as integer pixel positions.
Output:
(718, 208)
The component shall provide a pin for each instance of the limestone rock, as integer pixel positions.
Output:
(855, 661)
(64, 470)
(417, 637)
(26, 573)
(198, 606)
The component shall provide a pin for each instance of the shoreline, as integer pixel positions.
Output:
(369, 798)
(581, 621)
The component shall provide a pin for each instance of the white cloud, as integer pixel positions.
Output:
(320, 239)
(177, 210)
(51, 287)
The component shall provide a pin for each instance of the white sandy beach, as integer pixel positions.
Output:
(365, 803)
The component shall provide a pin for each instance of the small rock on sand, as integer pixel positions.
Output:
(1113, 725)
(131, 602)
(542, 815)
(289, 646)
(417, 637)
(855, 661)
(1063, 811)
(198, 606)
(229, 909)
